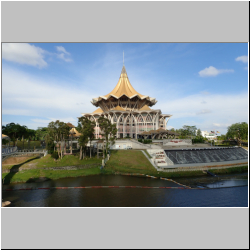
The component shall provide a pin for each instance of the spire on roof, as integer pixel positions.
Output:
(124, 70)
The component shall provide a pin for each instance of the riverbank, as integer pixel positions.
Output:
(121, 162)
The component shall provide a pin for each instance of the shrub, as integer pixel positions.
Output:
(147, 141)
(4, 141)
(198, 140)
(55, 155)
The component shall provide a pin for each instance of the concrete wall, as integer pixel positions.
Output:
(176, 142)
(123, 144)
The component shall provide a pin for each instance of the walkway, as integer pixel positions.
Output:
(14, 152)
(150, 161)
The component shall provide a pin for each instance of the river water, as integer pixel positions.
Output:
(223, 191)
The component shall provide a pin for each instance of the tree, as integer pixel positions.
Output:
(221, 137)
(83, 140)
(30, 134)
(25, 134)
(187, 131)
(109, 131)
(238, 131)
(14, 131)
(4, 141)
(40, 133)
(199, 133)
(87, 129)
(50, 145)
(57, 132)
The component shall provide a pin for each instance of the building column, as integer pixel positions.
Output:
(131, 126)
(136, 128)
(157, 121)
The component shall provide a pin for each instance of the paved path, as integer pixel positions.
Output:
(150, 160)
(197, 168)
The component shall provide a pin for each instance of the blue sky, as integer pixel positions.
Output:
(201, 84)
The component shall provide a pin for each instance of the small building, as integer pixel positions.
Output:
(209, 136)
(6, 137)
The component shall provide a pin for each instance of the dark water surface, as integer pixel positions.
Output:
(234, 195)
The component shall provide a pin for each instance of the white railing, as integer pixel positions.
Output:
(10, 150)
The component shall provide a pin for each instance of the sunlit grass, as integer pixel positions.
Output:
(121, 161)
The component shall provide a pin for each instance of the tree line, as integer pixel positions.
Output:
(234, 131)
(57, 133)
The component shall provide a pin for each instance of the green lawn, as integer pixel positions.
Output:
(121, 161)
(129, 161)
(48, 161)
(67, 160)
(26, 176)
(39, 165)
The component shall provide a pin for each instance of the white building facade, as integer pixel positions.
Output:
(128, 109)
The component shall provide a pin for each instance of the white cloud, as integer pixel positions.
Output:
(225, 109)
(41, 121)
(221, 125)
(62, 49)
(203, 111)
(212, 71)
(63, 54)
(246, 68)
(243, 59)
(24, 53)
(26, 95)
(47, 121)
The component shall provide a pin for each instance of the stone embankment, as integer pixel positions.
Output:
(5, 203)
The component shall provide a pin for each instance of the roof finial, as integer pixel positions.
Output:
(123, 57)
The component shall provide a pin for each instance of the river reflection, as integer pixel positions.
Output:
(124, 197)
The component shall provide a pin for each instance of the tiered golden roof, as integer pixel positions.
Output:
(124, 88)
(76, 133)
(145, 108)
(118, 108)
(99, 110)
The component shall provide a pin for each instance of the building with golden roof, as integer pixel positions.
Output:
(128, 109)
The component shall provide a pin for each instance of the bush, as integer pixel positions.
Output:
(50, 146)
(198, 140)
(55, 155)
(4, 141)
(147, 141)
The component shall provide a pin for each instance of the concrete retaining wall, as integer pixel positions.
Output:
(176, 142)
(124, 144)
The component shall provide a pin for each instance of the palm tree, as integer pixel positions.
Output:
(109, 131)
(86, 128)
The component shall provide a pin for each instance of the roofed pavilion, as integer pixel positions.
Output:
(128, 109)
